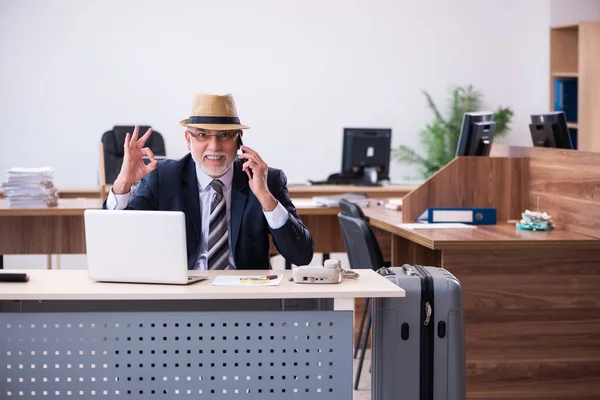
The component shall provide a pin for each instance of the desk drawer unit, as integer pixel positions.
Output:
(174, 349)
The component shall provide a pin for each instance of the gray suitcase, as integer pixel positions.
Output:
(418, 350)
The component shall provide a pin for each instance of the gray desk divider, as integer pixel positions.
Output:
(250, 355)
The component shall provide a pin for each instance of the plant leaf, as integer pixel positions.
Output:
(433, 107)
(502, 117)
(407, 155)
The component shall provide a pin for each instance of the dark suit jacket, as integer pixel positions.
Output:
(173, 186)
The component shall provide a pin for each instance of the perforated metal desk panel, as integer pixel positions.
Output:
(64, 336)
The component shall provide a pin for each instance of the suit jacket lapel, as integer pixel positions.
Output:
(192, 197)
(239, 195)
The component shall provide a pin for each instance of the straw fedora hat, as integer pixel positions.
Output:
(214, 112)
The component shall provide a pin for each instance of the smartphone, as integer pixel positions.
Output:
(239, 145)
(244, 160)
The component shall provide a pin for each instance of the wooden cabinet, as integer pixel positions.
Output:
(575, 55)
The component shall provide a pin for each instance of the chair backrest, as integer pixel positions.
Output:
(361, 244)
(351, 209)
(112, 142)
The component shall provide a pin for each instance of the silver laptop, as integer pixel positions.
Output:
(137, 246)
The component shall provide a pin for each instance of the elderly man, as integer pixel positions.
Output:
(231, 202)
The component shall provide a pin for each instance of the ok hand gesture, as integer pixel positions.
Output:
(134, 168)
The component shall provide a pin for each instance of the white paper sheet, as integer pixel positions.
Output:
(306, 203)
(437, 226)
(230, 280)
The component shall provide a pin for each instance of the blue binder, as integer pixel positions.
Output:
(565, 97)
(473, 216)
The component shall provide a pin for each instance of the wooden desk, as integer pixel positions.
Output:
(531, 299)
(50, 230)
(75, 285)
(60, 230)
(116, 339)
(388, 191)
(296, 191)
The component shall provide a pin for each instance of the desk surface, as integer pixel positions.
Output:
(76, 207)
(296, 190)
(501, 236)
(65, 207)
(75, 285)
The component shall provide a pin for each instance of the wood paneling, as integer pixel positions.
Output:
(539, 335)
(473, 182)
(325, 230)
(532, 321)
(526, 374)
(563, 50)
(384, 239)
(566, 183)
(405, 251)
(42, 235)
(589, 87)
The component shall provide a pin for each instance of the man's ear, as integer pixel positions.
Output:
(188, 140)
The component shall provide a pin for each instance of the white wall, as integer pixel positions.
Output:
(300, 71)
(564, 12)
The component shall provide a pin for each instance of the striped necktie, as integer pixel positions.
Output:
(218, 237)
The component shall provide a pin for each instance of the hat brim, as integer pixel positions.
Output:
(214, 127)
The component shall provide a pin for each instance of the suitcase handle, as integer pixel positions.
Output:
(408, 269)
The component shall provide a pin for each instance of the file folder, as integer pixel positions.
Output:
(474, 216)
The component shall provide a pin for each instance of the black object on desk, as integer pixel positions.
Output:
(365, 158)
(13, 277)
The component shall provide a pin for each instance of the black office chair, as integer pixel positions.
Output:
(353, 210)
(112, 142)
(363, 252)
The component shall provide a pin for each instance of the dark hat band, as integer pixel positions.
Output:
(214, 120)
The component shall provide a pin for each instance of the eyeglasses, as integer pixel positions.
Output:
(226, 136)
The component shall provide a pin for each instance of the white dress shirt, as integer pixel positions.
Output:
(276, 218)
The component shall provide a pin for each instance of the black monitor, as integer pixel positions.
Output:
(366, 155)
(550, 130)
(476, 134)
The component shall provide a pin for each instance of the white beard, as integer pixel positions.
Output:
(214, 172)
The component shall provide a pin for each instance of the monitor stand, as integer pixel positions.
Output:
(370, 177)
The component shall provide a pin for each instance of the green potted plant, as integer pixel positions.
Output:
(440, 137)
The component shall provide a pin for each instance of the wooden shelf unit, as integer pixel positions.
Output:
(575, 53)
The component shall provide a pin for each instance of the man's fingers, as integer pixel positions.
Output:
(151, 166)
(246, 165)
(134, 137)
(255, 158)
(126, 143)
(144, 138)
(146, 151)
(250, 151)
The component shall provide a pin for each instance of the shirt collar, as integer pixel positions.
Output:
(205, 180)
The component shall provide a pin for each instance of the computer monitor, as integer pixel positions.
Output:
(550, 130)
(476, 134)
(366, 155)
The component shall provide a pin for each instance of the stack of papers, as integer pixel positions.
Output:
(30, 188)
(334, 201)
(393, 204)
